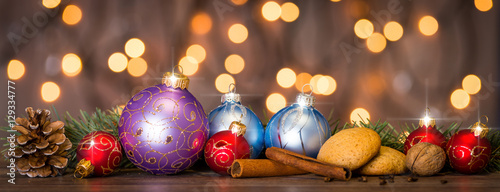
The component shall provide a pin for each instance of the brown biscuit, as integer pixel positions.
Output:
(350, 148)
(388, 161)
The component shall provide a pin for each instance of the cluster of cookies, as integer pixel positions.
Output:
(360, 150)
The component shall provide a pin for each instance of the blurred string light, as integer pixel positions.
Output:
(234, 64)
(428, 25)
(275, 102)
(223, 81)
(376, 43)
(326, 85)
(137, 67)
(289, 12)
(314, 83)
(134, 47)
(189, 65)
(393, 31)
(117, 62)
(286, 77)
(360, 114)
(50, 91)
(335, 0)
(237, 33)
(197, 52)
(363, 28)
(51, 3)
(471, 84)
(483, 5)
(460, 99)
(71, 64)
(15, 69)
(271, 11)
(239, 2)
(72, 14)
(301, 80)
(201, 23)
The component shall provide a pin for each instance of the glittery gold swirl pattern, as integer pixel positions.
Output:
(163, 130)
(102, 149)
(468, 153)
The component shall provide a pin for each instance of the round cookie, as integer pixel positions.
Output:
(388, 161)
(350, 148)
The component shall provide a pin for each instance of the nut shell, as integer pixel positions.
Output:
(425, 159)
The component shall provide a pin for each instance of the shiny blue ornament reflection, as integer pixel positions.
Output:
(299, 128)
(231, 110)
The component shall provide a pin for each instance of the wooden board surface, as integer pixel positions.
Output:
(203, 180)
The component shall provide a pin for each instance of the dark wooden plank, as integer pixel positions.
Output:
(203, 180)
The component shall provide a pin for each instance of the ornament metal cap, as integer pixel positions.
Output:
(427, 121)
(238, 128)
(306, 99)
(83, 169)
(480, 129)
(175, 80)
(231, 95)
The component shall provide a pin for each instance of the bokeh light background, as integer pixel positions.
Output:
(385, 59)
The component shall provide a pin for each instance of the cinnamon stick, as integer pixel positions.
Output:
(261, 168)
(308, 164)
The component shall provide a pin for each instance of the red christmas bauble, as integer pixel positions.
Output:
(428, 134)
(467, 152)
(223, 148)
(100, 150)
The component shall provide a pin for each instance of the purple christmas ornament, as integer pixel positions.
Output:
(163, 128)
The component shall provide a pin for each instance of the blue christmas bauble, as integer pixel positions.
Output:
(231, 110)
(299, 128)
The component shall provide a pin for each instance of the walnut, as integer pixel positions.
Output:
(425, 159)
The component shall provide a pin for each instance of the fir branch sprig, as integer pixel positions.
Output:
(494, 164)
(77, 128)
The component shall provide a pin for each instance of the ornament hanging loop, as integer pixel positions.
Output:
(427, 111)
(485, 117)
(306, 99)
(232, 90)
(309, 86)
(181, 70)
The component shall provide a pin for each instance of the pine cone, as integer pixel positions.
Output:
(42, 146)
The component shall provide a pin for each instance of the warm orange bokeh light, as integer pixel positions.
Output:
(201, 23)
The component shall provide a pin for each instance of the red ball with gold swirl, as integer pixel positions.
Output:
(426, 133)
(98, 153)
(226, 146)
(468, 150)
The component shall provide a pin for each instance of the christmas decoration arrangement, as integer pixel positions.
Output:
(99, 153)
(299, 127)
(231, 110)
(163, 128)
